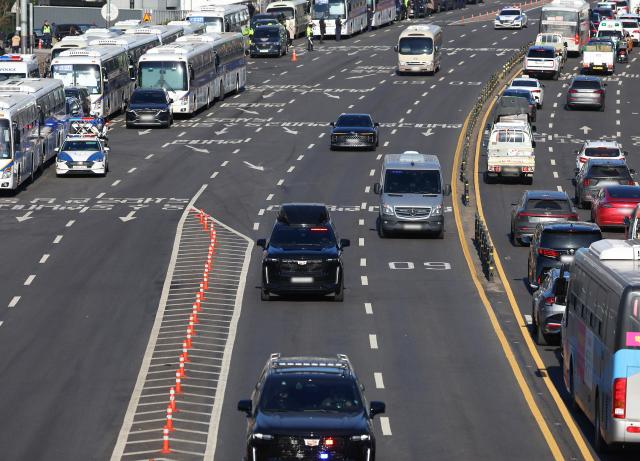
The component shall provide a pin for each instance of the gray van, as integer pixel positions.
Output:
(411, 191)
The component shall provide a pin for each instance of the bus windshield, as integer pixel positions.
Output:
(87, 75)
(287, 11)
(559, 16)
(172, 76)
(412, 182)
(416, 45)
(5, 139)
(328, 9)
(214, 24)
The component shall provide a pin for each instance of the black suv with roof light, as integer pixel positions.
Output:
(309, 408)
(303, 254)
(555, 244)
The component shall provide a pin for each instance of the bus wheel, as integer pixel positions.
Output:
(598, 442)
(221, 97)
(237, 84)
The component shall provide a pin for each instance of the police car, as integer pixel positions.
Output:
(533, 85)
(82, 154)
(511, 17)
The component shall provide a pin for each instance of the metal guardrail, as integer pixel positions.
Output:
(484, 246)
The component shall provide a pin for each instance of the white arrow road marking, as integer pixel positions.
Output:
(25, 216)
(255, 167)
(289, 131)
(140, 133)
(222, 131)
(197, 149)
(429, 132)
(129, 217)
(268, 95)
(247, 111)
(585, 129)
(332, 96)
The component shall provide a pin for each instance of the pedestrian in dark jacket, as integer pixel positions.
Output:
(323, 29)
(338, 29)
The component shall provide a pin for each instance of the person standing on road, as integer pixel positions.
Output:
(338, 28)
(323, 29)
(369, 18)
(15, 43)
(309, 37)
(291, 31)
(405, 7)
(46, 34)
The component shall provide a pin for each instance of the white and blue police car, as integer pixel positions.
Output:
(82, 154)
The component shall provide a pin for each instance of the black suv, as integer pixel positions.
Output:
(303, 254)
(151, 107)
(555, 244)
(309, 408)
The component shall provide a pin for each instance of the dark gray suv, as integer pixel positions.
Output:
(598, 173)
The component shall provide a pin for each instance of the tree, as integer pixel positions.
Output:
(5, 13)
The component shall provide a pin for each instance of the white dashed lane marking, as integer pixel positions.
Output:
(115, 183)
(58, 239)
(368, 308)
(14, 301)
(364, 280)
(373, 341)
(385, 425)
(378, 379)
(44, 259)
(29, 280)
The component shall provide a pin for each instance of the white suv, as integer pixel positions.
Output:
(610, 150)
(534, 86)
(542, 61)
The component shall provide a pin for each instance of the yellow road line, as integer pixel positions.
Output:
(506, 349)
(568, 419)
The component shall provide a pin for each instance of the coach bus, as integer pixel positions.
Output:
(52, 114)
(221, 18)
(601, 340)
(104, 71)
(18, 66)
(296, 12)
(384, 12)
(19, 139)
(189, 28)
(570, 18)
(352, 14)
(166, 34)
(82, 41)
(135, 45)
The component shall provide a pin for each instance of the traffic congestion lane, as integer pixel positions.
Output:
(560, 134)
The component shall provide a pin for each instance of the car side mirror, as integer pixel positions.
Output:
(344, 243)
(262, 243)
(395, 48)
(377, 188)
(376, 124)
(376, 408)
(332, 124)
(446, 190)
(533, 144)
(106, 149)
(245, 406)
(632, 171)
(604, 84)
(170, 101)
(57, 149)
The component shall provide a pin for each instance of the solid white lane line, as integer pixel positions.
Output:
(57, 239)
(300, 157)
(360, 241)
(291, 168)
(364, 280)
(368, 308)
(373, 341)
(385, 426)
(377, 377)
(14, 301)
(256, 225)
(363, 262)
(215, 173)
(115, 183)
(29, 280)
(280, 182)
(269, 197)
(555, 175)
(44, 259)
(225, 163)
(70, 223)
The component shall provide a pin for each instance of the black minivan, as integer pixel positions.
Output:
(269, 41)
(149, 107)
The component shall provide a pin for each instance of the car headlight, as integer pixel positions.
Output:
(360, 438)
(437, 210)
(259, 436)
(387, 209)
(331, 260)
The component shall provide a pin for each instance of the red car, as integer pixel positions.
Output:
(613, 204)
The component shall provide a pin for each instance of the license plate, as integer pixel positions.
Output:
(301, 279)
(79, 167)
(263, 51)
(566, 259)
(412, 226)
(598, 68)
(146, 117)
(541, 219)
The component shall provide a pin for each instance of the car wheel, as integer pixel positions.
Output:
(567, 107)
(541, 340)
(381, 232)
(601, 109)
(264, 295)
(128, 126)
(528, 180)
(339, 294)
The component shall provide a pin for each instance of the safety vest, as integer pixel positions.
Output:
(309, 31)
(46, 29)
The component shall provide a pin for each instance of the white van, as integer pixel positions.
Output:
(419, 49)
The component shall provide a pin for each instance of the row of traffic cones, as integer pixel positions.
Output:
(493, 13)
(187, 343)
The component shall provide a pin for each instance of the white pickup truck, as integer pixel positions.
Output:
(510, 151)
(598, 56)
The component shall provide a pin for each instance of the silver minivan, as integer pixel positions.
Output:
(411, 191)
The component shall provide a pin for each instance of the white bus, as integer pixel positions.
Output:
(103, 71)
(352, 14)
(52, 114)
(189, 28)
(384, 12)
(296, 12)
(166, 34)
(569, 18)
(419, 49)
(19, 139)
(136, 46)
(18, 66)
(82, 41)
(231, 63)
(221, 18)
(126, 24)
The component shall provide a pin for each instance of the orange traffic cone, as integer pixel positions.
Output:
(294, 57)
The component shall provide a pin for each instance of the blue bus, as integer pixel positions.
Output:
(601, 340)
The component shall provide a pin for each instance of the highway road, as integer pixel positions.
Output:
(94, 269)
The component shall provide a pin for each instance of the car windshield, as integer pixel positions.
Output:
(548, 205)
(170, 75)
(630, 24)
(81, 145)
(412, 182)
(601, 152)
(286, 10)
(586, 85)
(541, 53)
(285, 236)
(632, 192)
(311, 393)
(610, 33)
(607, 171)
(415, 45)
(5, 139)
(525, 83)
(328, 9)
(564, 239)
(269, 34)
(354, 120)
(9, 75)
(86, 75)
(525, 94)
(145, 97)
(510, 13)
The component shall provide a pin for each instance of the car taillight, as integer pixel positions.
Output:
(583, 159)
(631, 182)
(636, 32)
(550, 300)
(620, 398)
(548, 253)
(573, 217)
(329, 442)
(576, 39)
(586, 182)
(599, 92)
(573, 91)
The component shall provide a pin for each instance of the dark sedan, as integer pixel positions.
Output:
(539, 206)
(354, 131)
(525, 94)
(149, 107)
